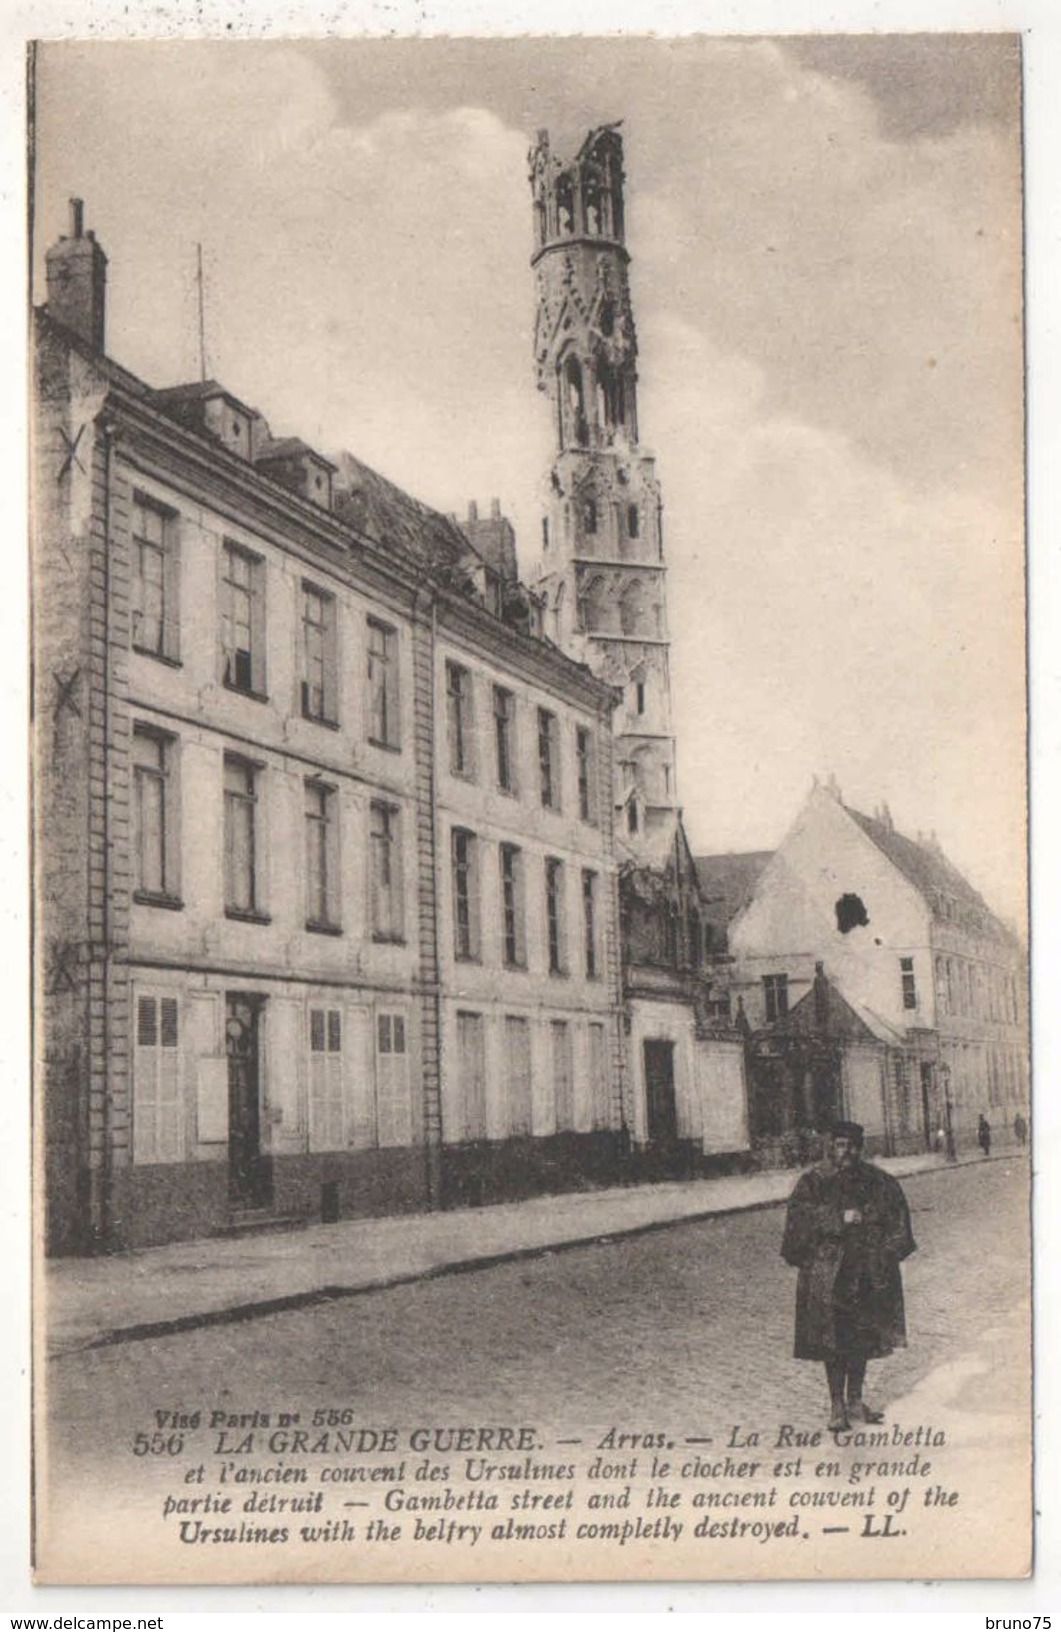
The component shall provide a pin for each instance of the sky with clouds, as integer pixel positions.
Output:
(826, 241)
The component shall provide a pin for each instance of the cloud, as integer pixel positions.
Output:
(827, 296)
(877, 284)
(827, 617)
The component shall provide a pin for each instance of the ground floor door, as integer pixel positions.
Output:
(249, 1175)
(661, 1109)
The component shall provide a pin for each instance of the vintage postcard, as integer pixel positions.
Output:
(529, 778)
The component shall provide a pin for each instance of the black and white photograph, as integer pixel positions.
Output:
(529, 809)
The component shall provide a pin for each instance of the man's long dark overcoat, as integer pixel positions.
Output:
(844, 1270)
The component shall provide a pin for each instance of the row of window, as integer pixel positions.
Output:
(1004, 1079)
(344, 1109)
(467, 851)
(243, 635)
(963, 988)
(156, 860)
(562, 1104)
(463, 745)
(969, 989)
(156, 849)
(1000, 1074)
(775, 991)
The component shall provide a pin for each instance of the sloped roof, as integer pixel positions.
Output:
(379, 508)
(934, 877)
(195, 391)
(288, 447)
(660, 847)
(824, 1011)
(727, 882)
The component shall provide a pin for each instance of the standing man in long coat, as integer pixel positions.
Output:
(847, 1231)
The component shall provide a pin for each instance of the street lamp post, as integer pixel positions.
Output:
(948, 1115)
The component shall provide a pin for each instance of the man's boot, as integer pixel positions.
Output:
(835, 1371)
(857, 1409)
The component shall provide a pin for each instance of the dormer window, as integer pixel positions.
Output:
(298, 467)
(206, 406)
(229, 423)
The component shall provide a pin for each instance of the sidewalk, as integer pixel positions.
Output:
(99, 1301)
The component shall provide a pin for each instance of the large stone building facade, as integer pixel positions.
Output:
(326, 891)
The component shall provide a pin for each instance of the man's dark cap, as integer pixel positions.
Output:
(848, 1130)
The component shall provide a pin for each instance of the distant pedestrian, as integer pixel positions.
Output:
(941, 1140)
(1020, 1129)
(983, 1134)
(847, 1231)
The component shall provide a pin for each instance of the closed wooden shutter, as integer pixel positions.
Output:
(562, 1075)
(471, 1054)
(518, 1074)
(600, 1097)
(393, 1108)
(157, 1107)
(326, 1098)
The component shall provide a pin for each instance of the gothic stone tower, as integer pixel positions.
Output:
(601, 563)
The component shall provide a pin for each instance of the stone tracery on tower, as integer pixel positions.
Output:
(601, 566)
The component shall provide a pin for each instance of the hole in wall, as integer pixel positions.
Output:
(850, 913)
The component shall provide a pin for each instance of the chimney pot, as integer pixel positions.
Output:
(495, 509)
(473, 510)
(76, 270)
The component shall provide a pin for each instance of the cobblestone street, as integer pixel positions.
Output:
(681, 1328)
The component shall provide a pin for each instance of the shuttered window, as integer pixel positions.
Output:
(518, 1074)
(393, 1108)
(327, 1119)
(600, 1097)
(471, 1058)
(157, 1121)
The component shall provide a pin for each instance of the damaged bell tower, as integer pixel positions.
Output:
(601, 562)
(600, 577)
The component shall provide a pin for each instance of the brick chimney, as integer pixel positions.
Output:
(77, 281)
(494, 538)
(821, 998)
